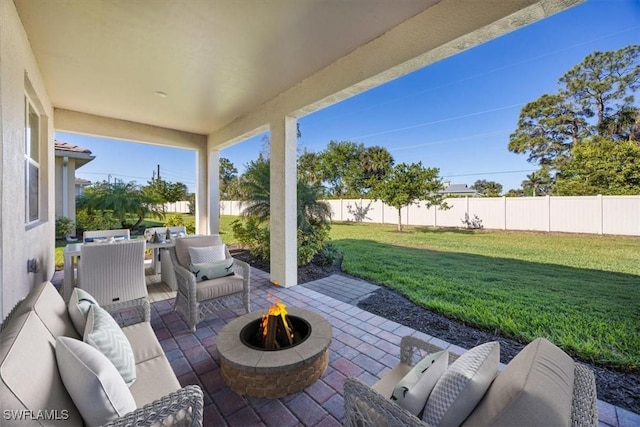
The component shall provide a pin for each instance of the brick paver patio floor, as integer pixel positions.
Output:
(364, 345)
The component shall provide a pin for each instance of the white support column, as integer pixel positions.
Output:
(65, 186)
(283, 221)
(214, 192)
(202, 190)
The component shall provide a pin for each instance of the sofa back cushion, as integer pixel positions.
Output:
(183, 243)
(29, 374)
(462, 386)
(49, 306)
(535, 389)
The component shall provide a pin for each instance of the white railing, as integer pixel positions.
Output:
(618, 215)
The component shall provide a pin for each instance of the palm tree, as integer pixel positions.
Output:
(538, 182)
(121, 199)
(312, 214)
(255, 189)
(257, 197)
(375, 162)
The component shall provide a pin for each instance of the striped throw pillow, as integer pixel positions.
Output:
(103, 333)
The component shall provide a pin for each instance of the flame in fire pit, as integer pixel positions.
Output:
(276, 331)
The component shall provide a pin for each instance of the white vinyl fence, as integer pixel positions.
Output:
(178, 207)
(618, 215)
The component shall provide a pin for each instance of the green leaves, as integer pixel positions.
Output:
(601, 166)
(312, 214)
(119, 199)
(348, 168)
(596, 98)
(407, 184)
(488, 188)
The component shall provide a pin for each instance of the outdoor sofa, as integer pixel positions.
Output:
(32, 388)
(541, 386)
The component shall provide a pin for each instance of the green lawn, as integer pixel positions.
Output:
(580, 291)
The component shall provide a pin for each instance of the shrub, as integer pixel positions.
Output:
(311, 241)
(328, 255)
(176, 220)
(474, 224)
(253, 236)
(96, 221)
(64, 227)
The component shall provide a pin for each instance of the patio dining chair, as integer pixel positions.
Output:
(198, 299)
(113, 272)
(175, 231)
(99, 235)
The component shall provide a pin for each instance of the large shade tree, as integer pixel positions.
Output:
(350, 169)
(488, 188)
(407, 184)
(595, 98)
(228, 175)
(163, 191)
(601, 166)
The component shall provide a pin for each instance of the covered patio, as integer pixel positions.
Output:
(203, 76)
(364, 345)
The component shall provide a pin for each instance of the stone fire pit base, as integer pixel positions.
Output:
(273, 374)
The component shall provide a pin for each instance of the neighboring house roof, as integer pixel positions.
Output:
(460, 190)
(80, 154)
(81, 182)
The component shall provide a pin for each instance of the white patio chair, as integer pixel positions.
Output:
(93, 235)
(162, 231)
(200, 300)
(113, 272)
(166, 267)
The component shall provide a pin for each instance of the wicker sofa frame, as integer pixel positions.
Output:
(183, 407)
(364, 406)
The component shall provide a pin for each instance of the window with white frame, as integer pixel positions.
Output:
(32, 162)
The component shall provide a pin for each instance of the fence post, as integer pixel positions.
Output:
(601, 212)
(548, 198)
(504, 212)
(468, 213)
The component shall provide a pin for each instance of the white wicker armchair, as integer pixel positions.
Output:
(371, 406)
(200, 300)
(113, 272)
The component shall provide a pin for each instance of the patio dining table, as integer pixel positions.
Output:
(72, 253)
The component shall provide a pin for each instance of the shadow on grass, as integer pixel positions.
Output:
(592, 313)
(442, 230)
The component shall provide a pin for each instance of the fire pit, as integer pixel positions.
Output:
(288, 357)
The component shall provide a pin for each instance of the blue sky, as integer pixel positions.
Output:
(455, 115)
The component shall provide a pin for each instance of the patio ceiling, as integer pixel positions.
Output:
(215, 59)
(222, 60)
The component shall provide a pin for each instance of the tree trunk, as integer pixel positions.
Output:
(399, 220)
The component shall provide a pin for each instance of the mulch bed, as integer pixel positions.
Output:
(618, 388)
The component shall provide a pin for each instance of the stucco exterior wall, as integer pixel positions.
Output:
(19, 74)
